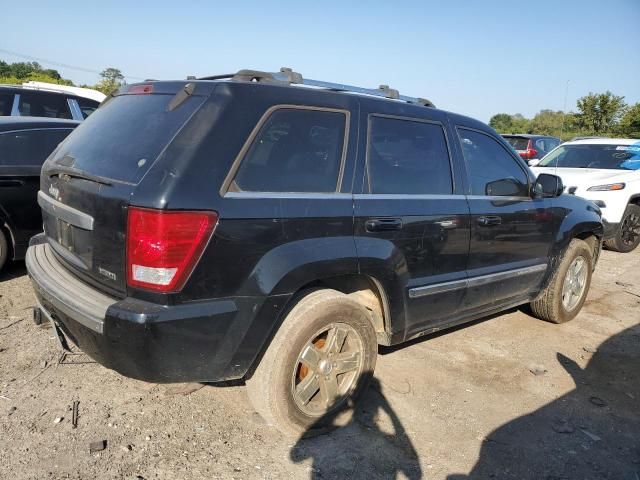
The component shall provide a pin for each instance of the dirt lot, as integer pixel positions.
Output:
(507, 397)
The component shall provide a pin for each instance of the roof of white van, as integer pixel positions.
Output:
(79, 91)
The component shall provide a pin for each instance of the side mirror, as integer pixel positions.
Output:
(506, 187)
(548, 186)
(534, 162)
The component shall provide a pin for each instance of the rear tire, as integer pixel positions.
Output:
(628, 235)
(4, 250)
(317, 365)
(567, 291)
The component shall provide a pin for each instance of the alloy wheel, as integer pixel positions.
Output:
(327, 369)
(575, 281)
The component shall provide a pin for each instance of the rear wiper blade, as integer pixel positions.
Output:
(73, 173)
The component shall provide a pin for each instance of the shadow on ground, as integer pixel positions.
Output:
(593, 432)
(13, 270)
(373, 445)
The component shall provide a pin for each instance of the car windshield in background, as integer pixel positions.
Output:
(519, 143)
(610, 157)
(123, 138)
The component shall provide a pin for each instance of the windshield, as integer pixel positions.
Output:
(519, 143)
(609, 157)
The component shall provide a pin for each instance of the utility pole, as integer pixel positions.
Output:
(564, 108)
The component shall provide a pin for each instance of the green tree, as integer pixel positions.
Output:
(20, 72)
(501, 123)
(112, 79)
(547, 122)
(599, 112)
(520, 124)
(629, 125)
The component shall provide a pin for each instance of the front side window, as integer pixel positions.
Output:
(39, 104)
(296, 150)
(491, 170)
(29, 147)
(407, 157)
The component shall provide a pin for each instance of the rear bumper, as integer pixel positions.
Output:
(200, 341)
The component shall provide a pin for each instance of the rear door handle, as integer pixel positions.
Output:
(383, 224)
(489, 221)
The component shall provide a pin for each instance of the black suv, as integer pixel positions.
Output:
(277, 229)
(25, 143)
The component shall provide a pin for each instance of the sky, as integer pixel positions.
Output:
(476, 58)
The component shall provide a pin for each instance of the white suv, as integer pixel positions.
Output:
(607, 172)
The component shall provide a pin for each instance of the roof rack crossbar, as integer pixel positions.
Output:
(286, 76)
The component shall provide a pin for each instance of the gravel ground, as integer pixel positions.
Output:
(506, 397)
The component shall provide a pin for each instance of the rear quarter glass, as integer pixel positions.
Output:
(519, 143)
(122, 139)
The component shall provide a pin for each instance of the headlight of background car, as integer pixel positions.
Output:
(603, 188)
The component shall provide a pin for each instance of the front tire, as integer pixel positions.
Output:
(318, 364)
(628, 235)
(567, 291)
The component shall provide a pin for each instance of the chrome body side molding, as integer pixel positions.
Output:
(475, 281)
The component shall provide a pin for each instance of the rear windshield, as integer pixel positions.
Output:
(519, 143)
(610, 157)
(123, 137)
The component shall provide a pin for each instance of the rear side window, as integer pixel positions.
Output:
(38, 104)
(29, 147)
(407, 157)
(87, 107)
(295, 150)
(6, 102)
(491, 170)
(123, 138)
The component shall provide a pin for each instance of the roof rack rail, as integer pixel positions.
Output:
(286, 76)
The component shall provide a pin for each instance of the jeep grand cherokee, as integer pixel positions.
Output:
(277, 229)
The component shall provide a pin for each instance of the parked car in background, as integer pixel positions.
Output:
(607, 172)
(267, 227)
(532, 147)
(44, 100)
(25, 143)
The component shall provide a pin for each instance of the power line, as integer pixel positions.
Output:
(58, 64)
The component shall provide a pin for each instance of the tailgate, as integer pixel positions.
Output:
(87, 182)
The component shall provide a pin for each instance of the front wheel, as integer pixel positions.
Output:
(567, 291)
(319, 362)
(628, 236)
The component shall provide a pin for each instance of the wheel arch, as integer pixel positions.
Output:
(363, 289)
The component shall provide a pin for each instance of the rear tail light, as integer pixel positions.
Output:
(163, 246)
(530, 152)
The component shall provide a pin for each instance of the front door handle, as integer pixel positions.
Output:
(383, 224)
(489, 221)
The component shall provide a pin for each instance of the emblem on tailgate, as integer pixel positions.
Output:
(107, 274)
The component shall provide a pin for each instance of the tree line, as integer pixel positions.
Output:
(20, 72)
(598, 114)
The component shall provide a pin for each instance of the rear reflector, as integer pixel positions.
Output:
(140, 89)
(163, 246)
